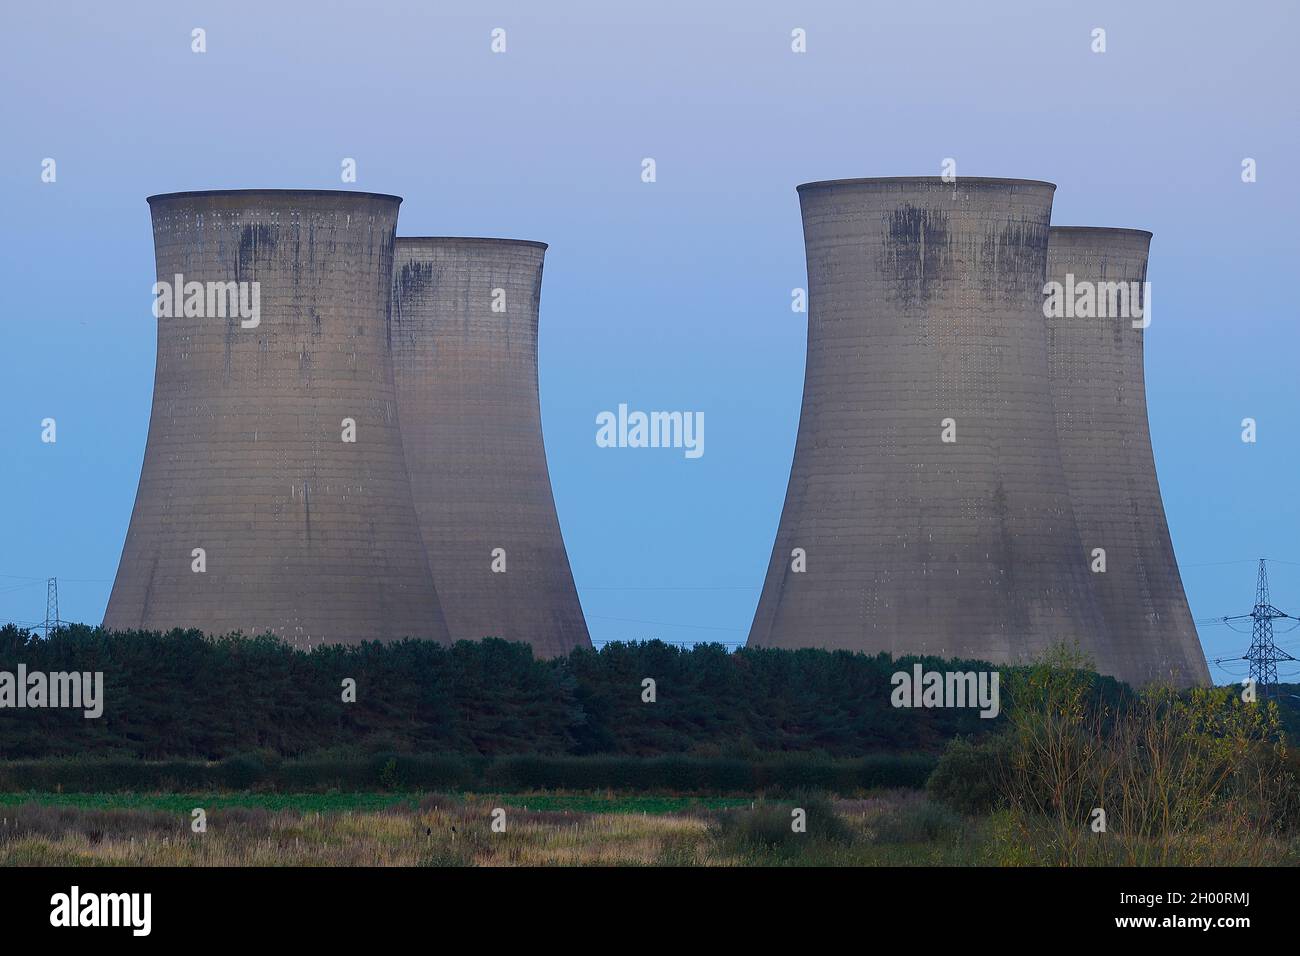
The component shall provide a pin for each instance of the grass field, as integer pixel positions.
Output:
(887, 828)
(384, 829)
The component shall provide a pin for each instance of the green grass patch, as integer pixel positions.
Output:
(185, 802)
(617, 803)
(367, 802)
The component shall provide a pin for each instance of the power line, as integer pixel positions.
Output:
(729, 587)
(34, 580)
(694, 627)
(1263, 655)
(11, 588)
(1219, 564)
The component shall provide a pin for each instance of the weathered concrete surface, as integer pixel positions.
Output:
(925, 304)
(472, 427)
(307, 536)
(1101, 417)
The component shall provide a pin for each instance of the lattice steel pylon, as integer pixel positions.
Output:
(1264, 655)
(51, 605)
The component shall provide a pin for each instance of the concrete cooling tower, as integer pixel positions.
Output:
(465, 348)
(1095, 355)
(274, 494)
(926, 511)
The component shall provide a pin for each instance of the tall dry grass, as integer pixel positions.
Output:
(895, 827)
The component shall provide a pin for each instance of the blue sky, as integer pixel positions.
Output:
(671, 295)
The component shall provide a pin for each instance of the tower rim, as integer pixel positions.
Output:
(204, 193)
(450, 239)
(1101, 231)
(922, 181)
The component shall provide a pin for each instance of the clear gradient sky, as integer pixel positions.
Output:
(671, 295)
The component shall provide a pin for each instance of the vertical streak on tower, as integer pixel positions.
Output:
(465, 349)
(253, 513)
(925, 303)
(1099, 389)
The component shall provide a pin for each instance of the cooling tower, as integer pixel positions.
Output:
(274, 494)
(465, 349)
(926, 511)
(1101, 418)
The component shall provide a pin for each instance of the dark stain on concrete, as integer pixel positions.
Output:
(257, 241)
(306, 504)
(415, 278)
(148, 590)
(918, 243)
(1012, 258)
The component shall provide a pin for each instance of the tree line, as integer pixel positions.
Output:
(185, 695)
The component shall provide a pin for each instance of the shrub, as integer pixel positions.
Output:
(1171, 771)
(388, 778)
(920, 821)
(966, 777)
(241, 772)
(406, 771)
(891, 771)
(448, 854)
(769, 827)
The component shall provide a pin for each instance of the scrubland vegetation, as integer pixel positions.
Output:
(1160, 778)
(893, 827)
(754, 758)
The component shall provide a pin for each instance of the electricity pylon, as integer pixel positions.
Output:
(1263, 655)
(51, 605)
